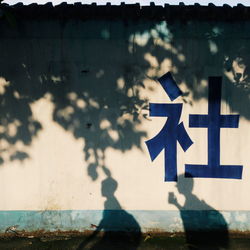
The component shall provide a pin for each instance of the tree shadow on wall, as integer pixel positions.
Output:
(95, 72)
(205, 228)
(120, 229)
(95, 96)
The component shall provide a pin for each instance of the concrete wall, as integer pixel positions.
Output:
(74, 119)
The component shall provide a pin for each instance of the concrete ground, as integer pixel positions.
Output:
(147, 242)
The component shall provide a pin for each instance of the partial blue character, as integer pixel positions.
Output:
(213, 121)
(170, 86)
(171, 132)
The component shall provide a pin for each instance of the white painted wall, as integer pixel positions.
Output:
(54, 177)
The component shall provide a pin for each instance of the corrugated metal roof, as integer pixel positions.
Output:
(143, 2)
(131, 11)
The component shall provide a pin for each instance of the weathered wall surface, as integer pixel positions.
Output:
(74, 119)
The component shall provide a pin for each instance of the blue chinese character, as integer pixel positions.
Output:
(171, 132)
(213, 121)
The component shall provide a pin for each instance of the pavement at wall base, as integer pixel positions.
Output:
(73, 240)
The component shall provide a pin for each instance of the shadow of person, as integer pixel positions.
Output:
(205, 227)
(120, 229)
